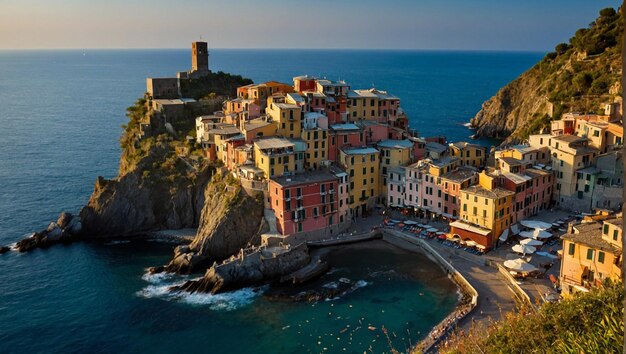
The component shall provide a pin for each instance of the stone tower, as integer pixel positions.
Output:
(199, 57)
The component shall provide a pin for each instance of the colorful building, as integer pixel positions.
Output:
(258, 128)
(274, 156)
(570, 154)
(393, 153)
(305, 202)
(469, 154)
(485, 212)
(287, 117)
(362, 167)
(343, 136)
(592, 253)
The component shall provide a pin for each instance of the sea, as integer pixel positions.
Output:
(61, 113)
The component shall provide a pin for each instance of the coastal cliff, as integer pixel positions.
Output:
(578, 76)
(230, 221)
(162, 174)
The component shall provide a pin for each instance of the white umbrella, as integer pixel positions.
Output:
(536, 234)
(524, 249)
(432, 229)
(514, 229)
(409, 222)
(534, 224)
(519, 265)
(531, 242)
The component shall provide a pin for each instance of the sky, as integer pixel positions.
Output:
(511, 25)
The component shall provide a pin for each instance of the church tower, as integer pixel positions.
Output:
(199, 57)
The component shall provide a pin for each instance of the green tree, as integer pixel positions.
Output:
(561, 48)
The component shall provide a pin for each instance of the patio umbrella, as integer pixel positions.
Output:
(531, 242)
(432, 229)
(409, 222)
(524, 249)
(536, 234)
(519, 265)
(534, 224)
(505, 235)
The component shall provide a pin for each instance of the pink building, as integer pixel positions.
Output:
(341, 136)
(305, 202)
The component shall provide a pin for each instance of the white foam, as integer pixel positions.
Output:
(118, 242)
(222, 302)
(161, 289)
(331, 285)
(360, 284)
(157, 278)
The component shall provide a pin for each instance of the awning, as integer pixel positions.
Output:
(581, 288)
(504, 236)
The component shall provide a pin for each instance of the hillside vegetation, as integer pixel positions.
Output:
(587, 323)
(577, 76)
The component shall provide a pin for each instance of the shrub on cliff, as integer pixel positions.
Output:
(587, 323)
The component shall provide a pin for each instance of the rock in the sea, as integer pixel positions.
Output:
(64, 220)
(259, 266)
(54, 233)
(4, 249)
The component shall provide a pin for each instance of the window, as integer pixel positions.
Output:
(572, 247)
(601, 257)
(590, 253)
(606, 229)
(614, 235)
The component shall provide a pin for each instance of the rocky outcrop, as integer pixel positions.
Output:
(578, 77)
(66, 229)
(230, 220)
(132, 205)
(260, 266)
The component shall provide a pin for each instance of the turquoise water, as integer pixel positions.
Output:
(60, 119)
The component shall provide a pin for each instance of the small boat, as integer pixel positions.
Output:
(371, 328)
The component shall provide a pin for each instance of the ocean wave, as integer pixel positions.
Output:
(222, 302)
(331, 285)
(157, 278)
(360, 284)
(161, 288)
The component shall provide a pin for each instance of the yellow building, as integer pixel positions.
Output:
(316, 147)
(527, 154)
(274, 156)
(488, 207)
(393, 153)
(257, 128)
(469, 154)
(287, 117)
(591, 254)
(362, 166)
(570, 154)
(373, 105)
(219, 135)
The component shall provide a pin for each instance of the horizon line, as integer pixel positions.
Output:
(287, 49)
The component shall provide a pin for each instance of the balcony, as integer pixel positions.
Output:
(322, 193)
(288, 199)
(300, 208)
(332, 191)
(299, 197)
